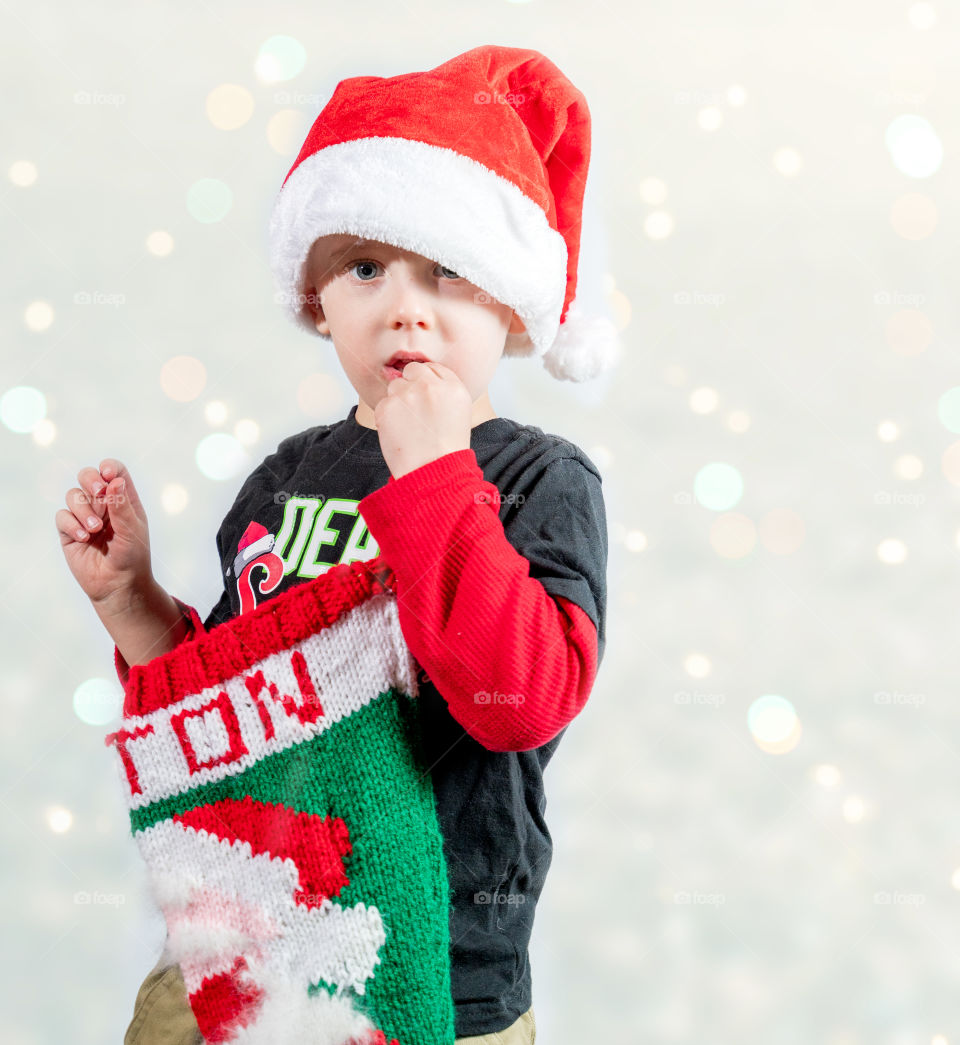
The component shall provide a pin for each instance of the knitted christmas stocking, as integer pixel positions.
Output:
(278, 795)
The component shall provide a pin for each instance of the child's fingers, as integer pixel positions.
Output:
(91, 485)
(126, 499)
(111, 468)
(69, 528)
(86, 513)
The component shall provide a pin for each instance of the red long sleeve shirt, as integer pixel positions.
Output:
(514, 663)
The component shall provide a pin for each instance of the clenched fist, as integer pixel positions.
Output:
(425, 414)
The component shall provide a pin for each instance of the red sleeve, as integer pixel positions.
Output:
(196, 628)
(514, 664)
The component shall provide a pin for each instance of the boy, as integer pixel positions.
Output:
(429, 225)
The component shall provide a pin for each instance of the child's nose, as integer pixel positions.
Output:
(410, 302)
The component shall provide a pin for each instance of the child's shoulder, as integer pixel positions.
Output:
(547, 447)
(289, 453)
(293, 445)
(292, 448)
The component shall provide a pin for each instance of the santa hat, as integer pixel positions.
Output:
(480, 165)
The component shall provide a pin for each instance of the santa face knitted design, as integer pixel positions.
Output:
(277, 794)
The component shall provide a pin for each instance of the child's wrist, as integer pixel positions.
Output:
(129, 598)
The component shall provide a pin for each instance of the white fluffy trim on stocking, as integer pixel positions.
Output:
(319, 1018)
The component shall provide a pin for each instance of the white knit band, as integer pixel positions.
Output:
(432, 201)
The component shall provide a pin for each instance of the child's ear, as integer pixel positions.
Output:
(516, 325)
(320, 320)
(316, 309)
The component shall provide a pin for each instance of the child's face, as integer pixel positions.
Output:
(374, 300)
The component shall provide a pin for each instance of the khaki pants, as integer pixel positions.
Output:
(162, 1016)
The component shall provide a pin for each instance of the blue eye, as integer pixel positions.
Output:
(447, 272)
(355, 264)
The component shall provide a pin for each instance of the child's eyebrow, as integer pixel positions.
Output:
(388, 248)
(364, 244)
(331, 254)
(343, 250)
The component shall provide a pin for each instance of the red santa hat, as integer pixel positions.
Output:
(480, 165)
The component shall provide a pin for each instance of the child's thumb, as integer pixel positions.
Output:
(118, 501)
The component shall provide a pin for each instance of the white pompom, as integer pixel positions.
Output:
(584, 348)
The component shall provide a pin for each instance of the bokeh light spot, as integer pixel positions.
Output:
(229, 106)
(183, 378)
(914, 146)
(22, 173)
(97, 701)
(280, 58)
(220, 456)
(209, 200)
(718, 486)
(38, 316)
(174, 498)
(914, 216)
(22, 408)
(160, 243)
(774, 724)
(948, 409)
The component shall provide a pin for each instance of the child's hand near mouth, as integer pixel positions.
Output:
(423, 416)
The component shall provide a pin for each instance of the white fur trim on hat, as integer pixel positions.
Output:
(435, 202)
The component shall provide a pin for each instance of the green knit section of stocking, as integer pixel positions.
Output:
(368, 769)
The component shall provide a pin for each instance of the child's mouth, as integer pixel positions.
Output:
(394, 369)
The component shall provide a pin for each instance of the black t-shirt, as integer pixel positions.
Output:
(302, 503)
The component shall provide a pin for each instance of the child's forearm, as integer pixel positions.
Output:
(144, 624)
(464, 591)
